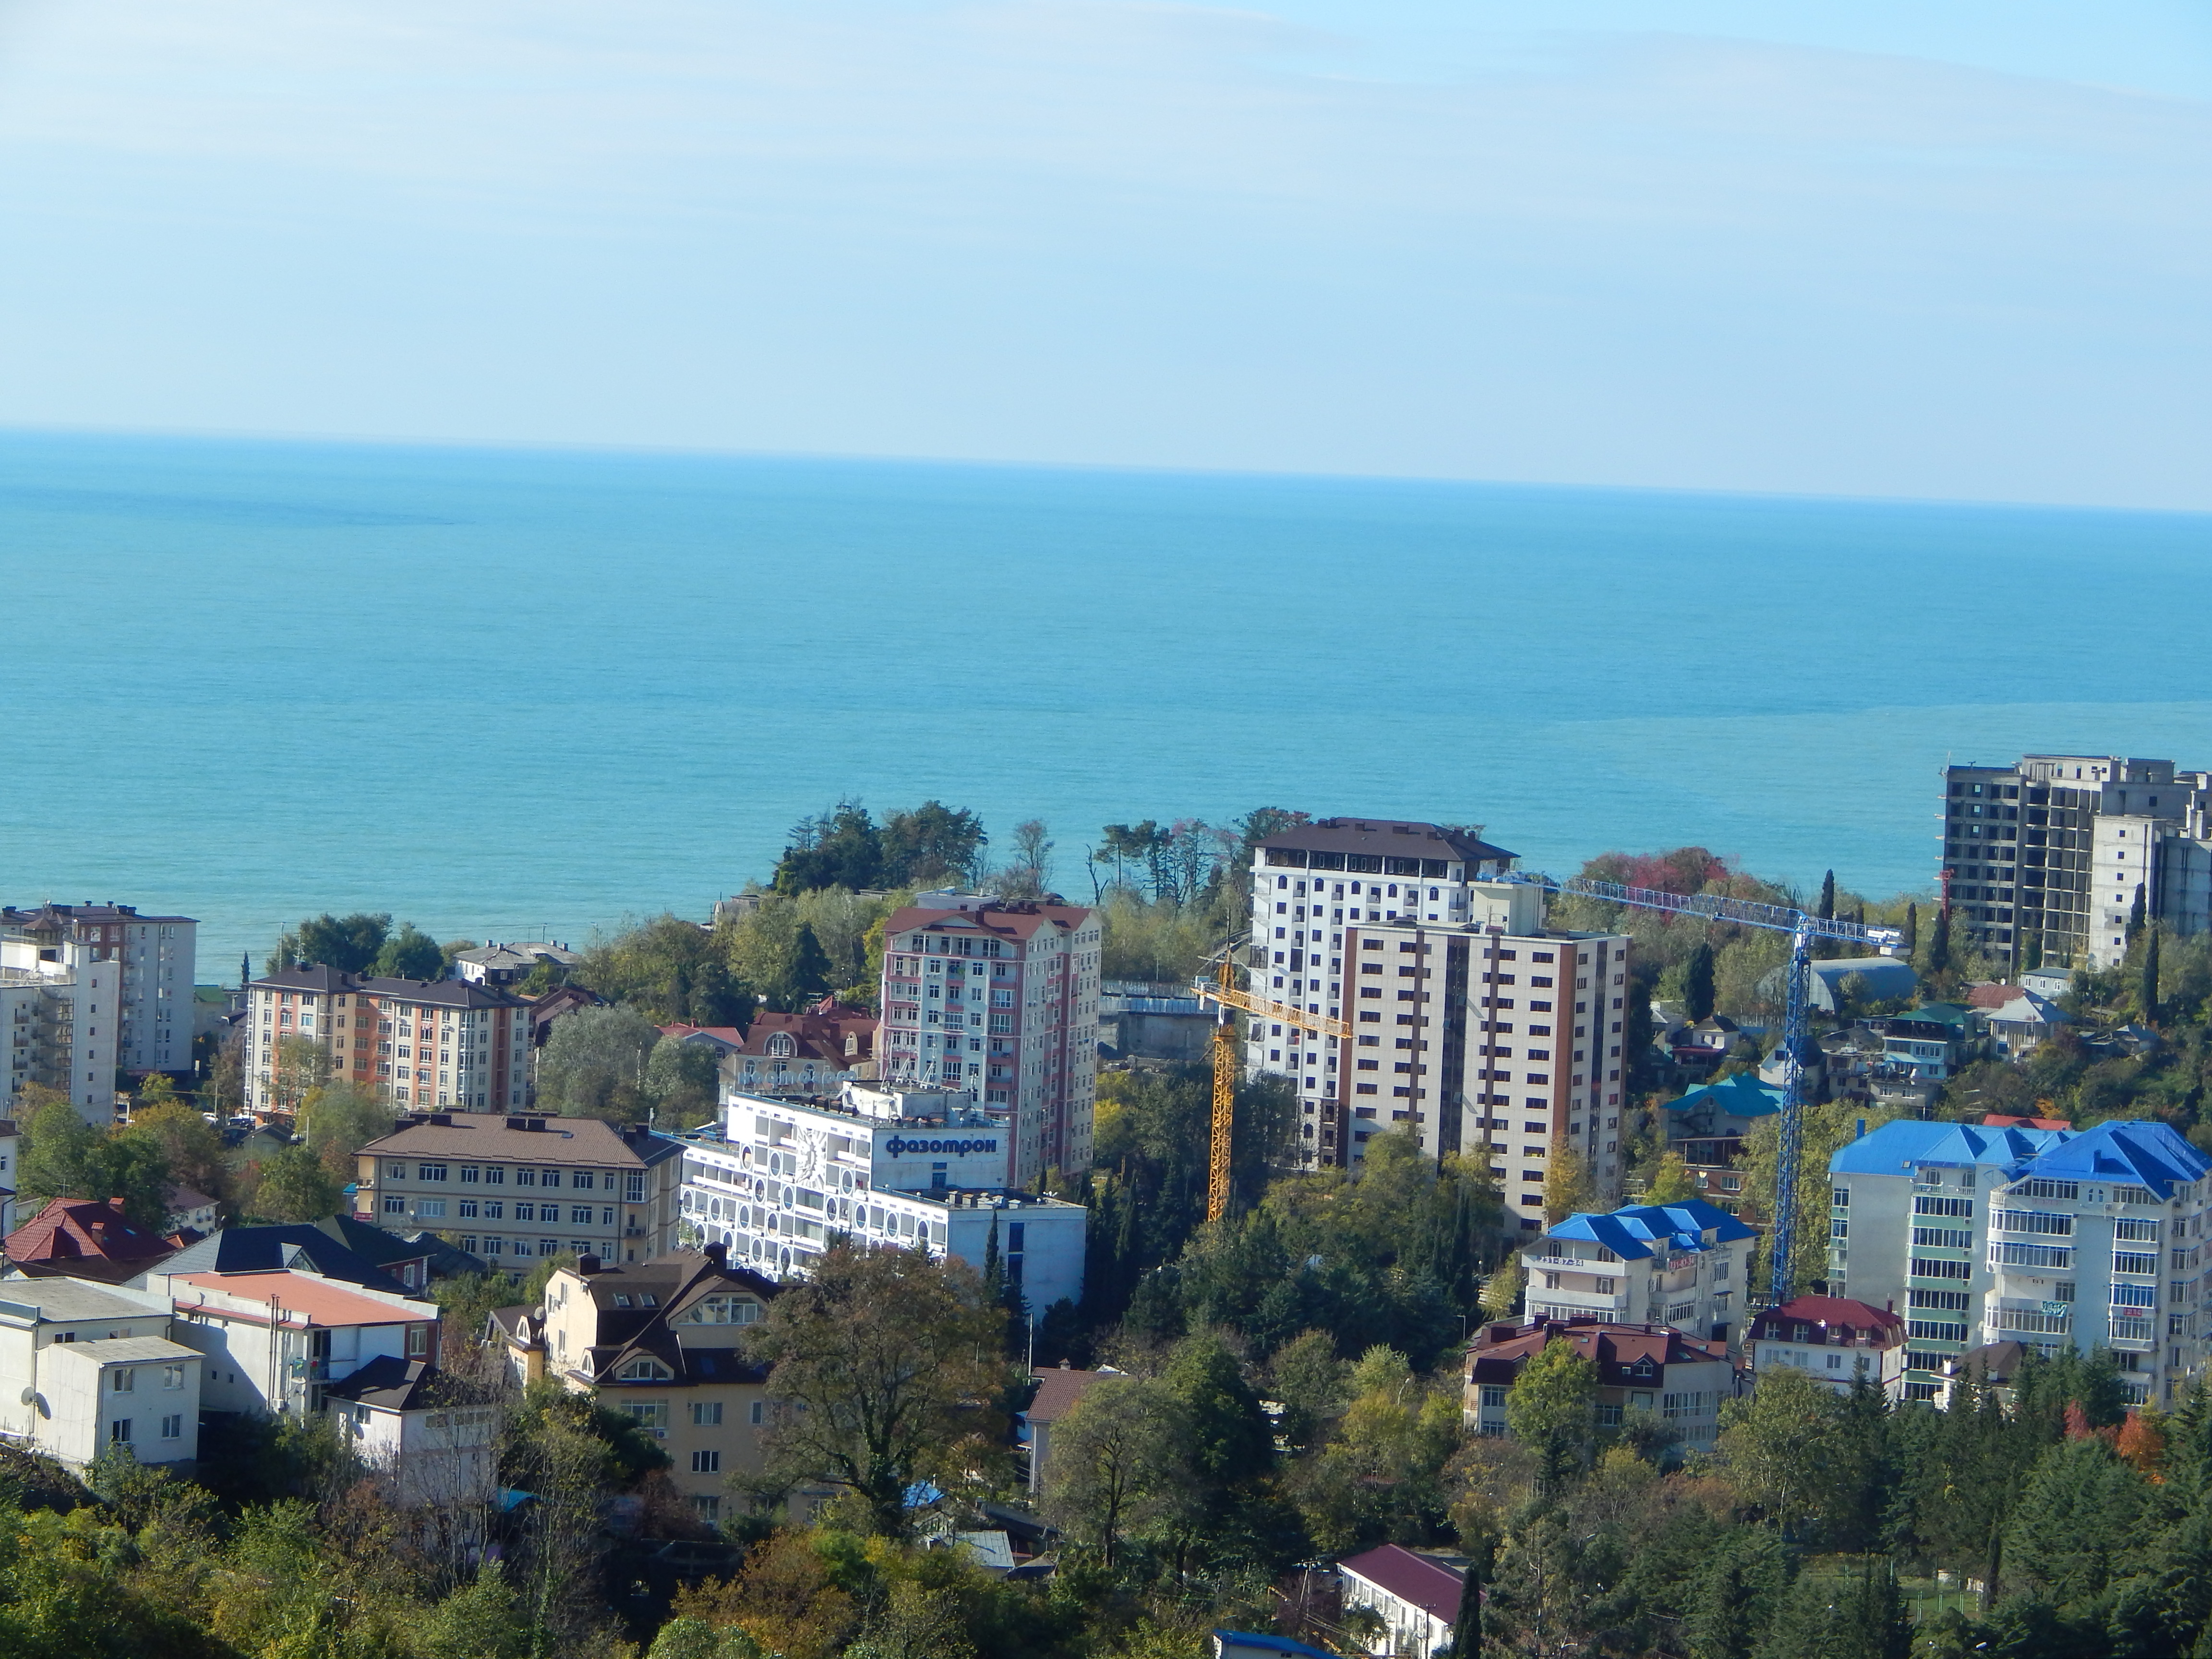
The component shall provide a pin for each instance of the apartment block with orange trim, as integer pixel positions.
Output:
(446, 1045)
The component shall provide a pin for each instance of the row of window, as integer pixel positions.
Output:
(119, 1429)
(469, 1209)
(496, 1175)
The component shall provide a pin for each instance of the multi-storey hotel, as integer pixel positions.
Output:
(423, 1043)
(1000, 997)
(1471, 1023)
(2042, 1236)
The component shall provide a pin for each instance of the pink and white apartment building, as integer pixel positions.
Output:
(999, 997)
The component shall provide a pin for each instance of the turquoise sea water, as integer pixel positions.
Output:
(505, 693)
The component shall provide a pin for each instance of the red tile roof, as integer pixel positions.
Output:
(816, 1033)
(1500, 1351)
(322, 1303)
(1427, 1583)
(2005, 1121)
(88, 1236)
(1017, 919)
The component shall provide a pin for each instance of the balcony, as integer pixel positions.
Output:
(2132, 1335)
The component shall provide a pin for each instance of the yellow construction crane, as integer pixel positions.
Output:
(1224, 995)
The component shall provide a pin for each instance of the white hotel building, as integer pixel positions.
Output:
(1473, 1025)
(921, 1169)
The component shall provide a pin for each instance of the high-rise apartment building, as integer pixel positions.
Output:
(999, 997)
(2043, 1237)
(155, 959)
(1473, 1025)
(2046, 856)
(445, 1043)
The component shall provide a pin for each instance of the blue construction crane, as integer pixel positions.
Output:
(1803, 929)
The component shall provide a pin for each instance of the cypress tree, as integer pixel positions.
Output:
(1699, 994)
(1939, 943)
(1828, 911)
(1466, 1629)
(1911, 930)
(2135, 911)
(2147, 995)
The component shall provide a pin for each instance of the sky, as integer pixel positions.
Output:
(1936, 248)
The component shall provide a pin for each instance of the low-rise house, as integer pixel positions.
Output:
(661, 1340)
(274, 1342)
(556, 1004)
(814, 1051)
(493, 963)
(1681, 1265)
(1640, 1368)
(1932, 1042)
(302, 1246)
(2050, 983)
(1703, 1044)
(1706, 1125)
(1057, 1392)
(521, 1188)
(190, 1211)
(1416, 1596)
(85, 1238)
(84, 1365)
(2018, 1022)
(437, 1443)
(1833, 1340)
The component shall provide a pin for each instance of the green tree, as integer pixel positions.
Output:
(1552, 1409)
(302, 1067)
(840, 848)
(190, 1147)
(1698, 991)
(2147, 992)
(64, 1156)
(810, 968)
(1671, 1182)
(1379, 1477)
(1027, 874)
(681, 1080)
(931, 846)
(1121, 1463)
(2135, 911)
(410, 953)
(880, 1357)
(1310, 1383)
(1568, 1188)
(1230, 1441)
(593, 1063)
(2077, 1526)
(1939, 946)
(1791, 1451)
(349, 943)
(1857, 1615)
(341, 1118)
(294, 1186)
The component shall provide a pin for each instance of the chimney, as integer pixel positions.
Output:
(586, 1265)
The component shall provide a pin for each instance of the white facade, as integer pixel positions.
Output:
(1688, 1269)
(921, 1170)
(272, 1341)
(64, 1017)
(150, 961)
(63, 1342)
(448, 1456)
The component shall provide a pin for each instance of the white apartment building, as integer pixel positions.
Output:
(1835, 1340)
(275, 1342)
(61, 1012)
(999, 997)
(154, 956)
(83, 1366)
(518, 1189)
(2048, 1237)
(1684, 1266)
(1470, 1021)
(447, 1043)
(2046, 855)
(923, 1170)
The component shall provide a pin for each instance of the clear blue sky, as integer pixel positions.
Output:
(1943, 248)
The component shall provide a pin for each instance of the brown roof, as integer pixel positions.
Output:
(85, 1236)
(444, 992)
(1827, 1313)
(1500, 1351)
(1018, 919)
(1058, 1391)
(1392, 837)
(1432, 1585)
(1992, 996)
(2007, 1121)
(487, 1137)
(675, 1281)
(816, 1033)
(321, 1301)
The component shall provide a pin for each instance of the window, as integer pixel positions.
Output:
(418, 1341)
(1493, 1396)
(549, 1177)
(430, 1172)
(647, 1414)
(706, 1413)
(395, 1207)
(633, 1189)
(759, 1412)
(582, 1180)
(706, 1462)
(118, 1431)
(172, 1427)
(122, 1380)
(431, 1209)
(644, 1369)
(470, 1174)
(172, 1376)
(579, 1215)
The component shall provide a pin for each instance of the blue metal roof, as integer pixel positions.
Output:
(1741, 1096)
(2137, 1153)
(1895, 1147)
(1637, 1230)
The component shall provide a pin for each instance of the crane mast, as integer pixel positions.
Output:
(1802, 928)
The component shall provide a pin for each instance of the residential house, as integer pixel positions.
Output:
(1706, 1125)
(1640, 1368)
(1701, 1046)
(814, 1051)
(1832, 1339)
(190, 1211)
(521, 1188)
(2017, 1021)
(494, 963)
(1057, 1392)
(436, 1442)
(301, 1247)
(1932, 1042)
(920, 1169)
(661, 1340)
(1681, 1265)
(1416, 1594)
(84, 1239)
(84, 1365)
(274, 1342)
(2048, 983)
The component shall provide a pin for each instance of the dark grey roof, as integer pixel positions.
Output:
(446, 993)
(299, 1246)
(1390, 837)
(393, 1383)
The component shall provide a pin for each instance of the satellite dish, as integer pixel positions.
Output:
(29, 1395)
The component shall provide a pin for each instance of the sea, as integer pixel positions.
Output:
(530, 693)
